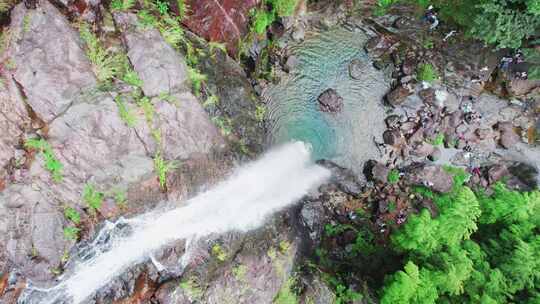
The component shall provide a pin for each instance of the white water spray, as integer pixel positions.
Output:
(240, 203)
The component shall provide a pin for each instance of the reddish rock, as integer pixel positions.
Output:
(398, 95)
(224, 21)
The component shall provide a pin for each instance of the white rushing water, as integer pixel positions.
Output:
(242, 202)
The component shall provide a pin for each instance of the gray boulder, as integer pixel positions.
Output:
(49, 61)
(330, 101)
(434, 177)
(158, 65)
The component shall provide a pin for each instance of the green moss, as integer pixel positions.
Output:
(263, 18)
(126, 114)
(260, 112)
(192, 288)
(240, 272)
(393, 176)
(197, 78)
(286, 294)
(71, 233)
(219, 253)
(427, 72)
(26, 22)
(439, 140)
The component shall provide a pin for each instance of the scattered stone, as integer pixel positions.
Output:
(313, 218)
(423, 149)
(380, 45)
(379, 172)
(343, 178)
(484, 133)
(406, 79)
(496, 172)
(356, 68)
(435, 155)
(292, 62)
(409, 66)
(330, 101)
(427, 95)
(509, 139)
(392, 137)
(408, 126)
(433, 177)
(393, 121)
(398, 95)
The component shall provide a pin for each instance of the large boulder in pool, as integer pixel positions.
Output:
(330, 101)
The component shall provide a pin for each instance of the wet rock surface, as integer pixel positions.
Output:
(330, 101)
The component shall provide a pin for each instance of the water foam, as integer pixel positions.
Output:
(241, 203)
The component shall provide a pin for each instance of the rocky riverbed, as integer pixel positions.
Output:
(110, 143)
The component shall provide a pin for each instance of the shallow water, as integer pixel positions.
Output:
(293, 109)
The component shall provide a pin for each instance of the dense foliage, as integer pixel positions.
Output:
(503, 23)
(479, 249)
(470, 247)
(274, 9)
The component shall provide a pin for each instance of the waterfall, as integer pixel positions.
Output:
(240, 203)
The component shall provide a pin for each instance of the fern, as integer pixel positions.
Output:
(71, 233)
(72, 215)
(162, 168)
(106, 64)
(92, 197)
(197, 78)
(52, 164)
(125, 112)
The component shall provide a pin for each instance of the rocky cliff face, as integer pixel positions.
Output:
(50, 91)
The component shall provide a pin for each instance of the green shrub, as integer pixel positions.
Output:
(439, 140)
(393, 176)
(479, 249)
(122, 5)
(263, 18)
(427, 72)
(503, 23)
